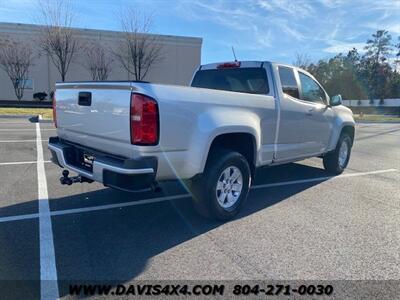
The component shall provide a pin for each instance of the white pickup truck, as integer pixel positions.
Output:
(234, 118)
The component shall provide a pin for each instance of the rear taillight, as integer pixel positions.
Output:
(144, 120)
(54, 111)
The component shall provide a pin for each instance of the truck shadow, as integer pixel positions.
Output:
(115, 246)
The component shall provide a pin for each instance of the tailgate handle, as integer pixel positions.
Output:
(85, 98)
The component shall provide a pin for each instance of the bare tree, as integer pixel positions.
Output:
(139, 50)
(58, 39)
(97, 62)
(16, 58)
(302, 61)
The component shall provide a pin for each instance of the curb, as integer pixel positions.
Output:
(41, 120)
(17, 116)
(25, 104)
(31, 118)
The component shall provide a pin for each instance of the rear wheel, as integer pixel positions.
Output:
(222, 189)
(337, 160)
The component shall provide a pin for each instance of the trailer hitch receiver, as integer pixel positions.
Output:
(65, 179)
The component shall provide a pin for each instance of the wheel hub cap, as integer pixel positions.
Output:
(229, 187)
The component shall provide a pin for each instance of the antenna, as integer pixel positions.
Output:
(234, 55)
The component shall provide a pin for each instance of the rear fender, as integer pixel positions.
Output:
(212, 125)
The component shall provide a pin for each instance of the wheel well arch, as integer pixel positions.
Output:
(242, 142)
(350, 130)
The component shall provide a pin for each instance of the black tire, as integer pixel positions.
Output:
(204, 186)
(331, 160)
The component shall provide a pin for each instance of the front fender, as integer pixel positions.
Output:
(343, 118)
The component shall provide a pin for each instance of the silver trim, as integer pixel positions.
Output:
(94, 86)
(98, 167)
(122, 170)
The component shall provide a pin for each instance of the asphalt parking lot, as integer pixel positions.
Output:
(299, 222)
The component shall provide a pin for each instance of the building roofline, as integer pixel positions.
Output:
(28, 28)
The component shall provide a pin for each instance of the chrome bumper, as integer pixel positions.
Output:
(99, 164)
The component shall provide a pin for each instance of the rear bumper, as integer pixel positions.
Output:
(120, 173)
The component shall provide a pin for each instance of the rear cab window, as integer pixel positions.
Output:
(243, 80)
(288, 81)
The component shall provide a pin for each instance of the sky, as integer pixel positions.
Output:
(275, 30)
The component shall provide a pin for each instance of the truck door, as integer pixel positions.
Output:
(318, 118)
(302, 127)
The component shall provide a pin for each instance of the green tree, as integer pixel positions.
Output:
(356, 76)
(379, 47)
(394, 89)
(397, 61)
(375, 66)
(339, 75)
(395, 80)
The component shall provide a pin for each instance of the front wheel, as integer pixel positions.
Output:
(336, 161)
(222, 189)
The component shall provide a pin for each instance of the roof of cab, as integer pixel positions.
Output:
(250, 64)
(243, 64)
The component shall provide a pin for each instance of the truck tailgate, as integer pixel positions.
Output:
(95, 114)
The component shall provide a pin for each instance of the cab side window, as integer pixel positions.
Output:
(310, 89)
(288, 81)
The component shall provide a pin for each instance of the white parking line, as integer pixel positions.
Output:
(19, 218)
(23, 162)
(20, 141)
(321, 178)
(116, 205)
(48, 271)
(93, 208)
(169, 198)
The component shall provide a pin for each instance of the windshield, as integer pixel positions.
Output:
(244, 80)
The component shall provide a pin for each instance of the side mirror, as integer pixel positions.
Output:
(335, 100)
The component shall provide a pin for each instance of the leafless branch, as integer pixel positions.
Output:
(97, 61)
(57, 38)
(139, 50)
(302, 61)
(16, 57)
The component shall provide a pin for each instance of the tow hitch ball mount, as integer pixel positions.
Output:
(65, 179)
